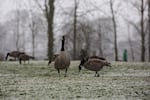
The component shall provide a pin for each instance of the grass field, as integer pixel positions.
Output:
(37, 81)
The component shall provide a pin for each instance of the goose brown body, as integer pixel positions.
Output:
(62, 61)
(84, 59)
(95, 64)
(25, 57)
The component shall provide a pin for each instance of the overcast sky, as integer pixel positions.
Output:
(124, 10)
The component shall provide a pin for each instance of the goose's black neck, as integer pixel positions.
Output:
(63, 43)
(7, 56)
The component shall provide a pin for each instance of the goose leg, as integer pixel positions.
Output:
(80, 68)
(66, 72)
(58, 72)
(49, 62)
(20, 61)
(96, 74)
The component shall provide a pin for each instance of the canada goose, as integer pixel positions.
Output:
(62, 61)
(94, 64)
(91, 57)
(53, 58)
(25, 57)
(14, 54)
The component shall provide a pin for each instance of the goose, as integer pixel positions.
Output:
(91, 57)
(25, 57)
(94, 64)
(62, 61)
(14, 54)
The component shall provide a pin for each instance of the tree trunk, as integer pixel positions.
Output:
(100, 40)
(50, 17)
(149, 29)
(17, 29)
(33, 39)
(24, 42)
(100, 45)
(115, 30)
(130, 44)
(142, 32)
(74, 30)
(88, 44)
(33, 45)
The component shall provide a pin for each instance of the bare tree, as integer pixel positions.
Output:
(100, 38)
(74, 30)
(104, 35)
(140, 28)
(130, 44)
(17, 29)
(74, 21)
(149, 28)
(142, 8)
(3, 34)
(32, 26)
(49, 9)
(87, 31)
(115, 29)
(24, 40)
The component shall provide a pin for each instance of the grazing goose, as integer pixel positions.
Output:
(62, 61)
(25, 57)
(14, 54)
(91, 57)
(94, 64)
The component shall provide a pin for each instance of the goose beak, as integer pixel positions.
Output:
(109, 64)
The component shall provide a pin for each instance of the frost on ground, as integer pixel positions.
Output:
(37, 81)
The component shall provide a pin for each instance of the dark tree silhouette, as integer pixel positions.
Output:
(115, 29)
(74, 30)
(142, 9)
(49, 10)
(149, 28)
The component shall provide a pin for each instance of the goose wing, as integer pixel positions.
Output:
(97, 57)
(94, 64)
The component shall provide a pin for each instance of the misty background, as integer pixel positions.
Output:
(23, 27)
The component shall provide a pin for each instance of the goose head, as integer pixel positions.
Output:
(108, 64)
(83, 60)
